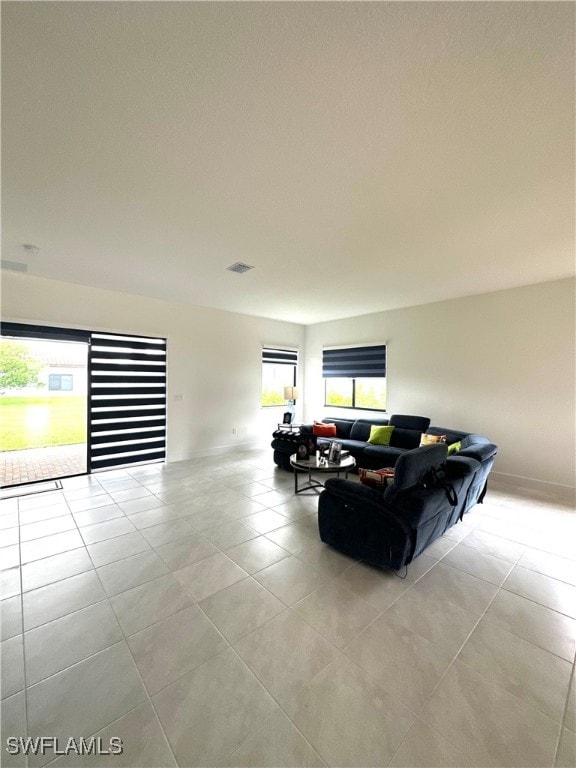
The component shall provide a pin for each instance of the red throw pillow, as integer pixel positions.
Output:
(324, 430)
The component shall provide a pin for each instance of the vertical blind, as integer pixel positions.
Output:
(127, 400)
(354, 362)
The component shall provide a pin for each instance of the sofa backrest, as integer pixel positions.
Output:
(413, 466)
(419, 423)
(343, 426)
(405, 438)
(361, 428)
(407, 430)
(455, 435)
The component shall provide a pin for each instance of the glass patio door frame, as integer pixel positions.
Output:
(145, 381)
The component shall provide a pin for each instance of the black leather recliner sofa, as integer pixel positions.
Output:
(430, 493)
(354, 434)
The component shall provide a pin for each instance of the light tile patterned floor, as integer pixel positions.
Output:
(191, 610)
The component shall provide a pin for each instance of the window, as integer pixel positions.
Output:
(278, 371)
(60, 382)
(355, 377)
(339, 392)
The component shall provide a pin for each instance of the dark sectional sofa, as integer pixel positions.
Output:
(354, 434)
(430, 492)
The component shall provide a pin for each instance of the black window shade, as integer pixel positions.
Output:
(127, 400)
(280, 356)
(48, 332)
(354, 362)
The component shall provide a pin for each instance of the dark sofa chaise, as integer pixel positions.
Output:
(430, 493)
(354, 434)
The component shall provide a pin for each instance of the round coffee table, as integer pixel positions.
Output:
(314, 464)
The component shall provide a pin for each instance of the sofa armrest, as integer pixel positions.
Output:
(480, 451)
(460, 466)
(353, 493)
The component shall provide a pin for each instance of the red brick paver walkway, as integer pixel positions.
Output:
(41, 463)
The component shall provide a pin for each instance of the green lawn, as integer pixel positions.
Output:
(38, 422)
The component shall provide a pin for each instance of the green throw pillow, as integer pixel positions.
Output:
(380, 435)
(454, 447)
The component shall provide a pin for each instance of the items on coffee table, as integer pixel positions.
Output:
(316, 464)
(306, 447)
(335, 451)
(302, 452)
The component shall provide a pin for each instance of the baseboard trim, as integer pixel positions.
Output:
(219, 450)
(565, 494)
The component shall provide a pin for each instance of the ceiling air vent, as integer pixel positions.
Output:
(14, 266)
(239, 267)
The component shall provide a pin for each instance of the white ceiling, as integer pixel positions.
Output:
(361, 156)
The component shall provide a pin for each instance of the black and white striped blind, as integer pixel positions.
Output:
(280, 356)
(354, 362)
(127, 400)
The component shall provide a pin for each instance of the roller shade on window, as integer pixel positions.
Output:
(127, 400)
(280, 356)
(354, 362)
(45, 332)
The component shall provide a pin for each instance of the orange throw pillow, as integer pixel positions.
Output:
(324, 430)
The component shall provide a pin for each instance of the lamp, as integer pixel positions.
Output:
(291, 395)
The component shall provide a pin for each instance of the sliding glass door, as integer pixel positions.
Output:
(43, 409)
(74, 402)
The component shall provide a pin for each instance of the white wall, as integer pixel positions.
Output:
(501, 364)
(214, 357)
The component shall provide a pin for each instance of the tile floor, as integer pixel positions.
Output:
(190, 610)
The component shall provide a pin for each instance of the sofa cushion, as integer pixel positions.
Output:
(379, 456)
(380, 435)
(361, 428)
(356, 447)
(405, 438)
(343, 426)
